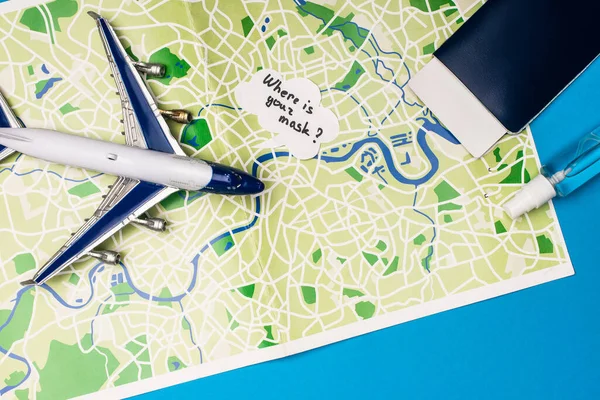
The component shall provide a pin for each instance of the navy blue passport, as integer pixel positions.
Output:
(515, 57)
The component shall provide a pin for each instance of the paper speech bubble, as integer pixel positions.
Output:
(290, 109)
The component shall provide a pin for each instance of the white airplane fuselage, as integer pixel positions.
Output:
(110, 158)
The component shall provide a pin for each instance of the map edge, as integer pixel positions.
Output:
(336, 335)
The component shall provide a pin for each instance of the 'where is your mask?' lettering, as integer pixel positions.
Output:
(292, 110)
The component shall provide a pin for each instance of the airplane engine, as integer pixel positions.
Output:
(150, 69)
(180, 116)
(154, 224)
(107, 256)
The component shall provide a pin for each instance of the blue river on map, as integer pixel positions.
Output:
(47, 86)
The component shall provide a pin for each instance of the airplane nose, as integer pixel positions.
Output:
(228, 180)
(251, 185)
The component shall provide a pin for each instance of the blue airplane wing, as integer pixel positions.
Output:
(8, 119)
(127, 199)
(144, 126)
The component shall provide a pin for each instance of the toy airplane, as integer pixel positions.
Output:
(150, 167)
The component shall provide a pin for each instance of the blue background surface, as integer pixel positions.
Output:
(543, 342)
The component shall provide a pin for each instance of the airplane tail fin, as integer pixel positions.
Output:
(8, 119)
